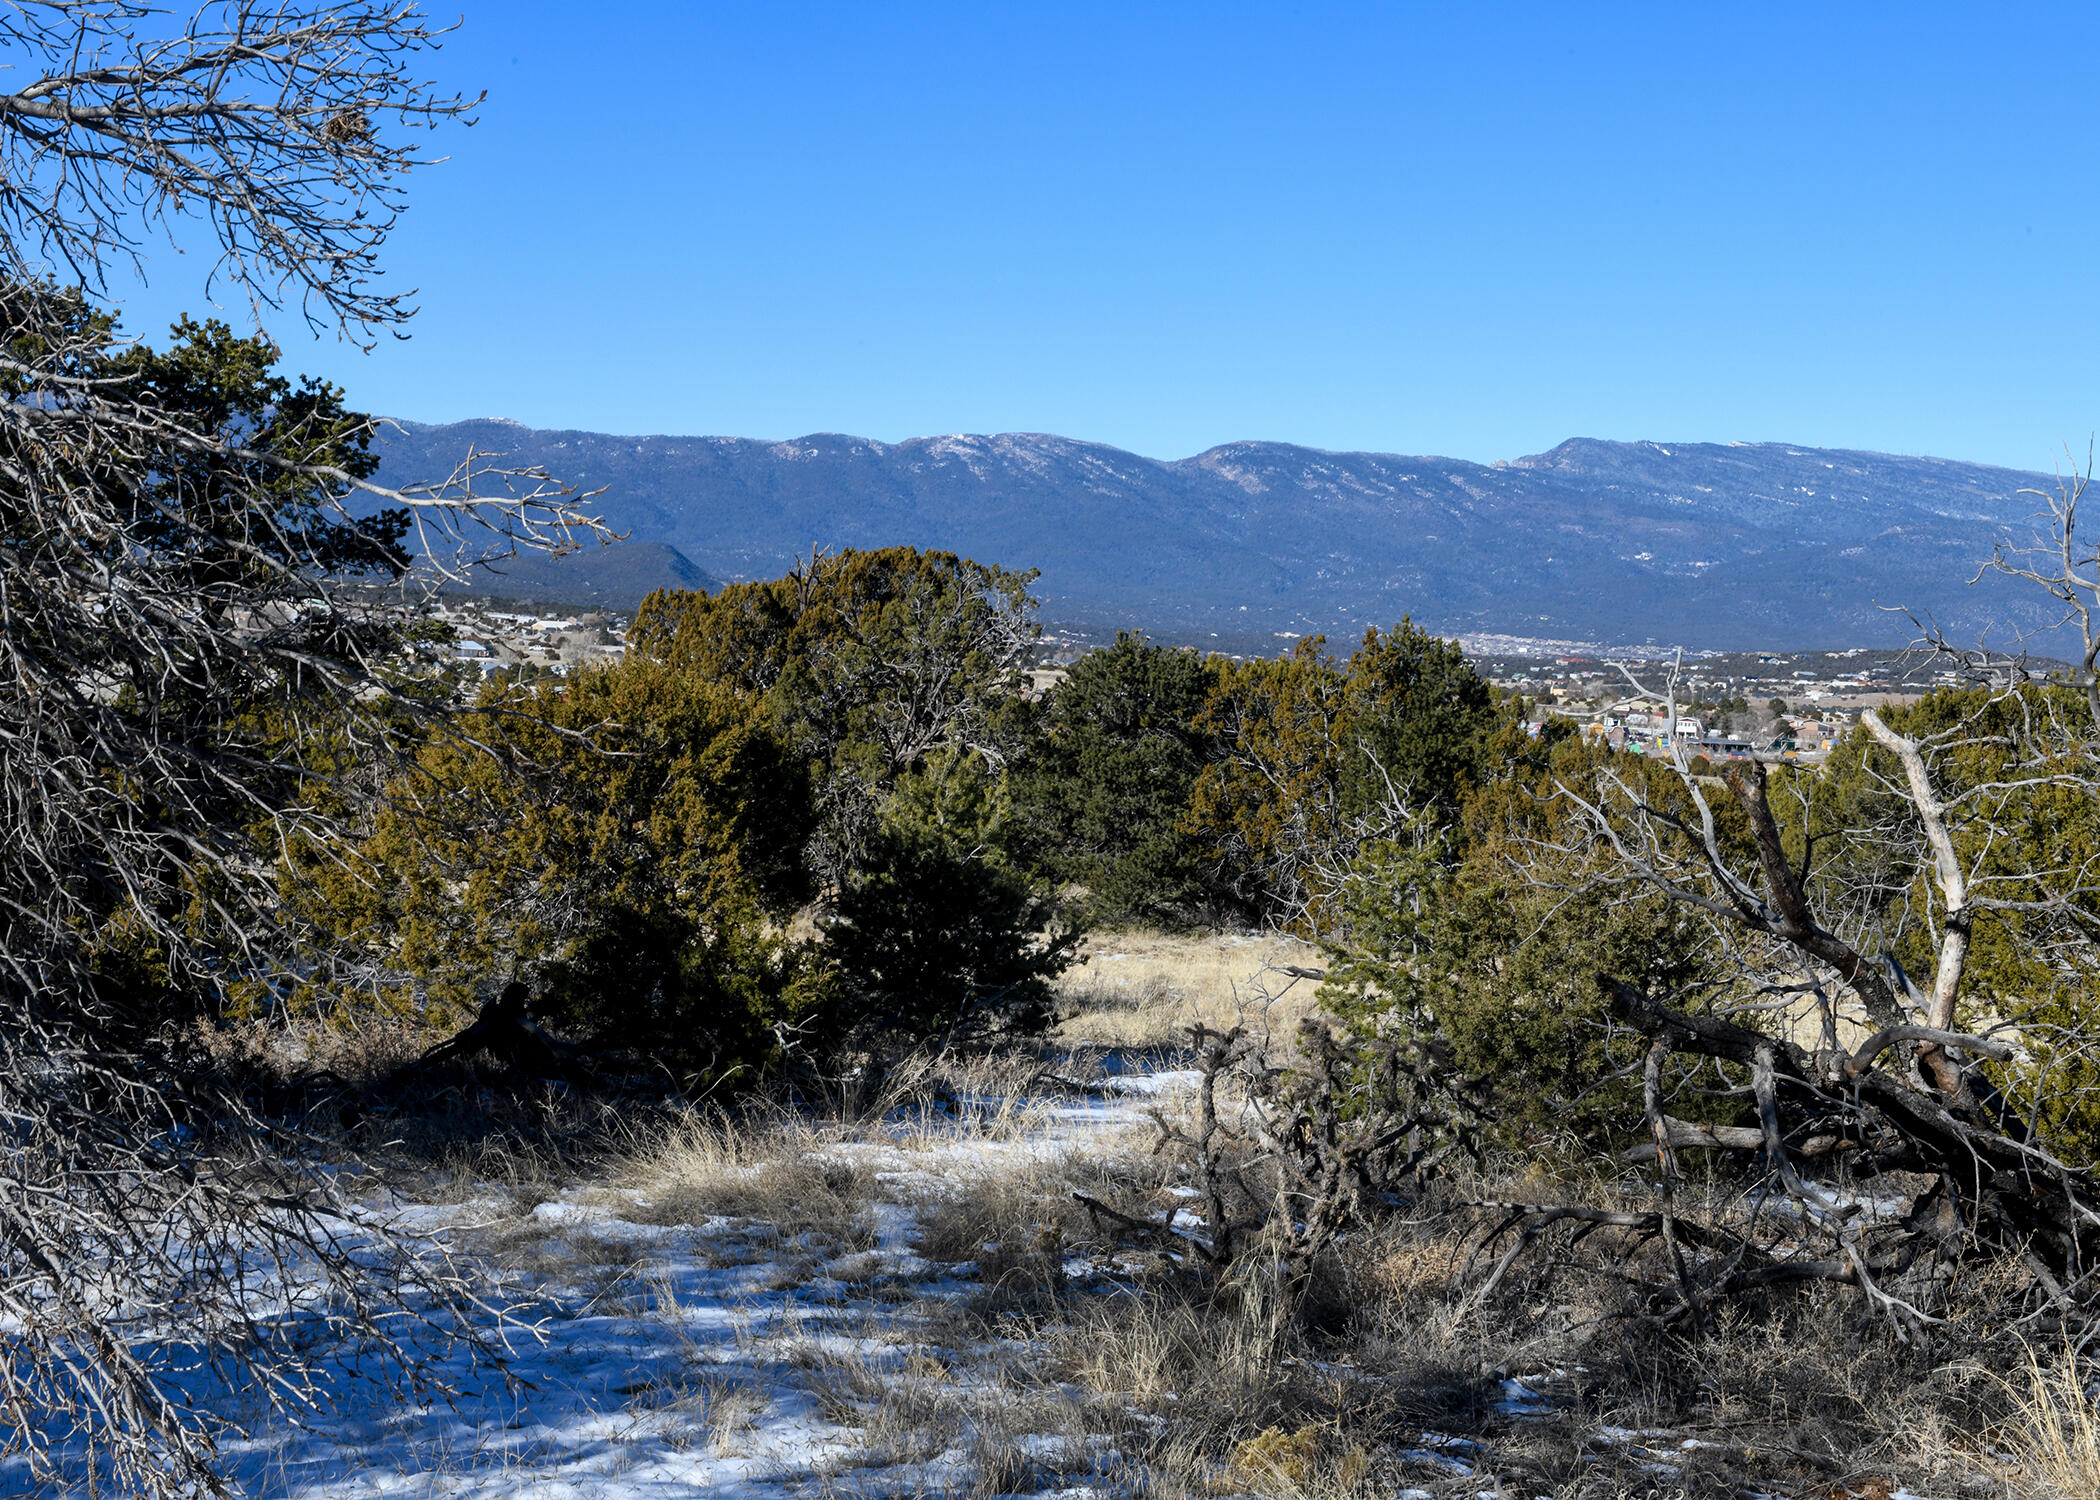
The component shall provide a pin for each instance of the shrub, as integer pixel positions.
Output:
(1489, 940)
(936, 932)
(1099, 798)
(868, 662)
(620, 841)
(1315, 760)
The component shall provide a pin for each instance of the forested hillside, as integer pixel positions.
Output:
(1702, 544)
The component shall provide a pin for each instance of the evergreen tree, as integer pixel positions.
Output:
(869, 661)
(1100, 796)
(625, 842)
(936, 932)
(1314, 760)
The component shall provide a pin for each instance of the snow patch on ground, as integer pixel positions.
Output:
(650, 1360)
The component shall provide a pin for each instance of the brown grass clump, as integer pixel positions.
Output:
(1086, 1351)
(1304, 1462)
(774, 1168)
(1011, 1227)
(2055, 1429)
(346, 1054)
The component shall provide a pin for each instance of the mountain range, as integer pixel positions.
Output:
(1705, 545)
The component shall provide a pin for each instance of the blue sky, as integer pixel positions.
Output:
(1468, 229)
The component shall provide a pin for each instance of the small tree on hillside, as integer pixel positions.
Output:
(1267, 812)
(620, 842)
(1315, 761)
(1888, 982)
(1419, 717)
(937, 934)
(899, 675)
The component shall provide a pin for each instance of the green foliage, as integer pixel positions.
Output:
(169, 577)
(713, 1000)
(937, 932)
(1417, 720)
(896, 678)
(1486, 938)
(1267, 807)
(247, 510)
(869, 662)
(2015, 773)
(867, 659)
(1100, 795)
(1315, 760)
(623, 839)
(637, 842)
(1490, 936)
(228, 386)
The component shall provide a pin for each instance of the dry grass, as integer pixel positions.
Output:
(1142, 989)
(713, 1414)
(361, 1052)
(1389, 1372)
(1305, 1463)
(978, 1409)
(776, 1168)
(1076, 1358)
(931, 1104)
(1384, 1373)
(2056, 1428)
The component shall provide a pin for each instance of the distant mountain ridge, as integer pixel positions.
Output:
(615, 576)
(1700, 544)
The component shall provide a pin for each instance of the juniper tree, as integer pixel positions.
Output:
(1101, 793)
(870, 661)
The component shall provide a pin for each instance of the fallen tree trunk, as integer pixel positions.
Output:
(1990, 1190)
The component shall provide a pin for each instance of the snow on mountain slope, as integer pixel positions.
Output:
(1700, 543)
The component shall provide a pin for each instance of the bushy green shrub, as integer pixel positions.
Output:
(1100, 795)
(937, 932)
(868, 662)
(1313, 759)
(624, 841)
(1488, 938)
(637, 843)
(2013, 773)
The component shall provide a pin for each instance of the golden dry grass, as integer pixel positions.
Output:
(1322, 1390)
(1140, 989)
(2057, 1429)
(1325, 1390)
(774, 1167)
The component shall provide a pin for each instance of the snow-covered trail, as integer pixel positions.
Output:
(799, 1308)
(613, 1390)
(677, 1359)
